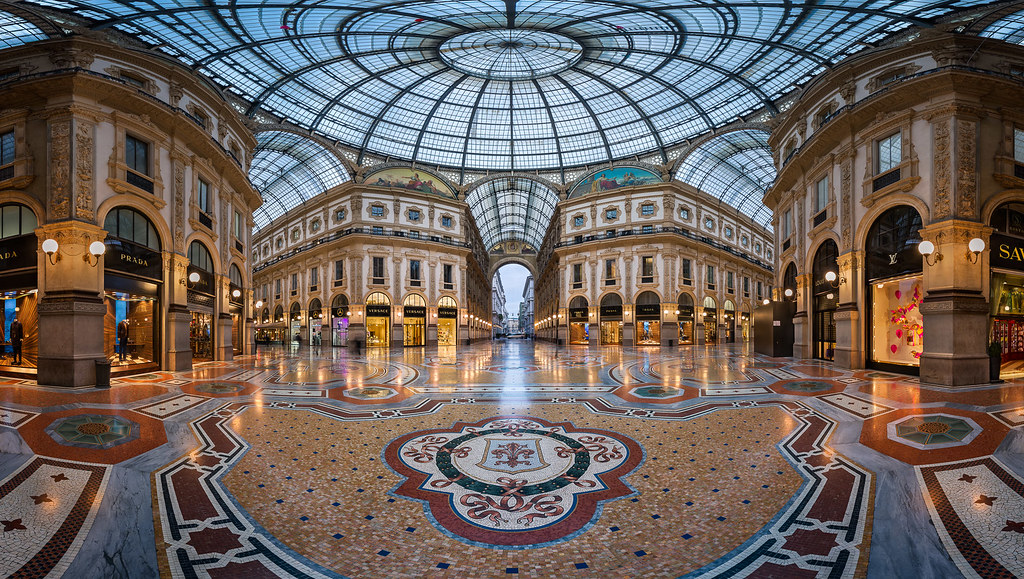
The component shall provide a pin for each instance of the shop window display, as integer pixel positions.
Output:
(378, 320)
(685, 316)
(129, 329)
(648, 319)
(414, 318)
(611, 320)
(20, 306)
(447, 321)
(201, 335)
(897, 324)
(339, 321)
(579, 328)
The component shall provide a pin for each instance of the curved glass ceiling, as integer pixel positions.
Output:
(510, 84)
(1009, 28)
(288, 170)
(512, 209)
(15, 31)
(735, 167)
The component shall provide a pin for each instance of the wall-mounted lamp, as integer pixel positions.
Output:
(927, 249)
(193, 278)
(96, 249)
(975, 247)
(766, 301)
(788, 293)
(50, 247)
(259, 303)
(830, 277)
(236, 293)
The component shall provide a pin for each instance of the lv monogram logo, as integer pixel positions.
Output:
(892, 258)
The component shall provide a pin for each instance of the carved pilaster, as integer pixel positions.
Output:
(84, 184)
(179, 202)
(967, 170)
(60, 168)
(846, 194)
(942, 171)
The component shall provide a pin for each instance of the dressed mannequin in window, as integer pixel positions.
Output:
(17, 335)
(122, 340)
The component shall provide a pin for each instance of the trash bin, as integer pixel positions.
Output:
(103, 373)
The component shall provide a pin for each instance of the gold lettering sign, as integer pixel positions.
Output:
(135, 260)
(4, 256)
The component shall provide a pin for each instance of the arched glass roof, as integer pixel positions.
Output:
(1009, 28)
(15, 31)
(510, 84)
(735, 167)
(288, 170)
(512, 208)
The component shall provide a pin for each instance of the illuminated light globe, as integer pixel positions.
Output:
(926, 248)
(976, 245)
(97, 248)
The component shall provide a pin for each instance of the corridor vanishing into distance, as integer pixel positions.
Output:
(512, 458)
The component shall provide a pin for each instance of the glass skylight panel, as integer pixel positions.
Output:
(17, 31)
(1009, 28)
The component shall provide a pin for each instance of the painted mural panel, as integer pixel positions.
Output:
(412, 179)
(608, 179)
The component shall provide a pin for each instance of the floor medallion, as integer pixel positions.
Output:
(513, 482)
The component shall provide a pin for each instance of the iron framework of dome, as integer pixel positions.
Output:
(477, 85)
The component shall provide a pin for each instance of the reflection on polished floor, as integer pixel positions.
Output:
(512, 458)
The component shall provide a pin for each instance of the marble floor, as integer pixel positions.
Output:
(512, 458)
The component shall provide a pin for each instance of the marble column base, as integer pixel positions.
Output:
(179, 352)
(70, 339)
(955, 338)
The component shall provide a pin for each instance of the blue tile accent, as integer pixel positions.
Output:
(640, 553)
(443, 565)
(337, 535)
(687, 536)
(581, 565)
(511, 570)
(383, 553)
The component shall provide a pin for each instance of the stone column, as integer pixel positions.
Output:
(954, 309)
(177, 349)
(802, 346)
(849, 326)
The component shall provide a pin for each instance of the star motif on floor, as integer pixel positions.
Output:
(1014, 526)
(58, 477)
(40, 499)
(967, 478)
(14, 525)
(984, 500)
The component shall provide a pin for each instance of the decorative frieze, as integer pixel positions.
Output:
(942, 171)
(966, 165)
(60, 169)
(85, 183)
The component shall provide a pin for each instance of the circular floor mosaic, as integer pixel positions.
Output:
(513, 481)
(934, 431)
(657, 392)
(219, 387)
(93, 430)
(808, 386)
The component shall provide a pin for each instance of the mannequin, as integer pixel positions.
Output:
(122, 340)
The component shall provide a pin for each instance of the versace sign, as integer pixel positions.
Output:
(378, 311)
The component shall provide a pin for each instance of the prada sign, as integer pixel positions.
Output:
(414, 311)
(18, 252)
(648, 312)
(610, 312)
(133, 259)
(578, 314)
(447, 313)
(1006, 252)
(378, 311)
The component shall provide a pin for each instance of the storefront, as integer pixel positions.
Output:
(648, 319)
(447, 321)
(686, 323)
(745, 325)
(1006, 260)
(315, 316)
(201, 296)
(611, 320)
(295, 323)
(729, 321)
(414, 321)
(895, 327)
(378, 320)
(579, 318)
(133, 269)
(18, 283)
(826, 299)
(270, 330)
(339, 320)
(236, 295)
(710, 318)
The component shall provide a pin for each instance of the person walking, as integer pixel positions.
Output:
(17, 335)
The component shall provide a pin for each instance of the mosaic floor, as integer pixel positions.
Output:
(512, 459)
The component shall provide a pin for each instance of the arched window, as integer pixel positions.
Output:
(648, 298)
(891, 245)
(339, 306)
(789, 282)
(709, 302)
(685, 301)
(265, 318)
(316, 308)
(127, 224)
(414, 300)
(15, 220)
(825, 260)
(378, 299)
(578, 302)
(199, 257)
(279, 314)
(611, 300)
(296, 312)
(235, 275)
(447, 302)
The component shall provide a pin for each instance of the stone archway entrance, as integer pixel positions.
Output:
(512, 297)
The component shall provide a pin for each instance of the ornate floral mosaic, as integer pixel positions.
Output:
(657, 392)
(808, 386)
(513, 482)
(93, 430)
(219, 387)
(934, 431)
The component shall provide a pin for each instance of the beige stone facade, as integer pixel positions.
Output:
(113, 146)
(925, 128)
(680, 247)
(319, 264)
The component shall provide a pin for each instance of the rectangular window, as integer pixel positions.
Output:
(414, 234)
(786, 218)
(822, 194)
(730, 285)
(889, 153)
(446, 221)
(202, 120)
(377, 230)
(295, 282)
(339, 215)
(647, 229)
(414, 270)
(448, 276)
(377, 210)
(378, 270)
(414, 215)
(759, 294)
(204, 196)
(277, 293)
(611, 213)
(578, 221)
(339, 270)
(1018, 145)
(577, 273)
(6, 148)
(609, 272)
(447, 239)
(266, 296)
(136, 155)
(647, 209)
(746, 287)
(711, 277)
(133, 80)
(687, 272)
(609, 233)
(647, 266)
(314, 276)
(238, 225)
